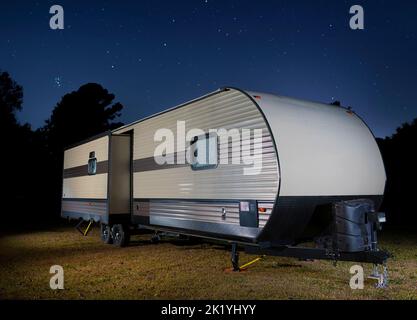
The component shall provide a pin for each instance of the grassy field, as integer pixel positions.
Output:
(182, 270)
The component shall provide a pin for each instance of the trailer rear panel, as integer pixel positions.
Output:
(91, 171)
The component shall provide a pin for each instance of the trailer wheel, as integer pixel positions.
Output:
(120, 235)
(155, 238)
(105, 233)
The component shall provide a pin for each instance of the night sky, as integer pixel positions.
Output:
(156, 54)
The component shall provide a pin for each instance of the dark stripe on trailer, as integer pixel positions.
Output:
(81, 171)
(149, 164)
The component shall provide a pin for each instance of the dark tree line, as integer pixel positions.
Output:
(400, 159)
(31, 161)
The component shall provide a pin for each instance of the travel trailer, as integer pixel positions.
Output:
(256, 170)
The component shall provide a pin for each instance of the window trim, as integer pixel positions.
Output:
(92, 164)
(208, 166)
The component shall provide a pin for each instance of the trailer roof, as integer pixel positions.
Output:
(123, 128)
(254, 95)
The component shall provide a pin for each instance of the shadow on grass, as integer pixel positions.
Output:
(286, 265)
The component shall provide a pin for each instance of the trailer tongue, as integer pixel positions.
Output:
(350, 236)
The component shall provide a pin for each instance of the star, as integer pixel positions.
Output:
(58, 81)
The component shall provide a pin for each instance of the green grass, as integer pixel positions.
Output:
(183, 270)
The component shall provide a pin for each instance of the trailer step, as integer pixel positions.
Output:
(87, 229)
(247, 265)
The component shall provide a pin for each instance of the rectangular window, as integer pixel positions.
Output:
(204, 152)
(92, 164)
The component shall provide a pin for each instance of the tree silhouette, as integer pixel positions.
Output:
(31, 165)
(17, 144)
(80, 115)
(11, 99)
(400, 161)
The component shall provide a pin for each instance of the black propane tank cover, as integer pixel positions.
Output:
(352, 230)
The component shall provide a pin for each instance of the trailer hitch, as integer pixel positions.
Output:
(380, 276)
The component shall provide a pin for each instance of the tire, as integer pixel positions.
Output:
(120, 235)
(155, 239)
(105, 234)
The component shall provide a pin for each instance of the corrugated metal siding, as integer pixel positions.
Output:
(90, 187)
(224, 110)
(85, 186)
(78, 156)
(87, 207)
(188, 210)
(264, 216)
